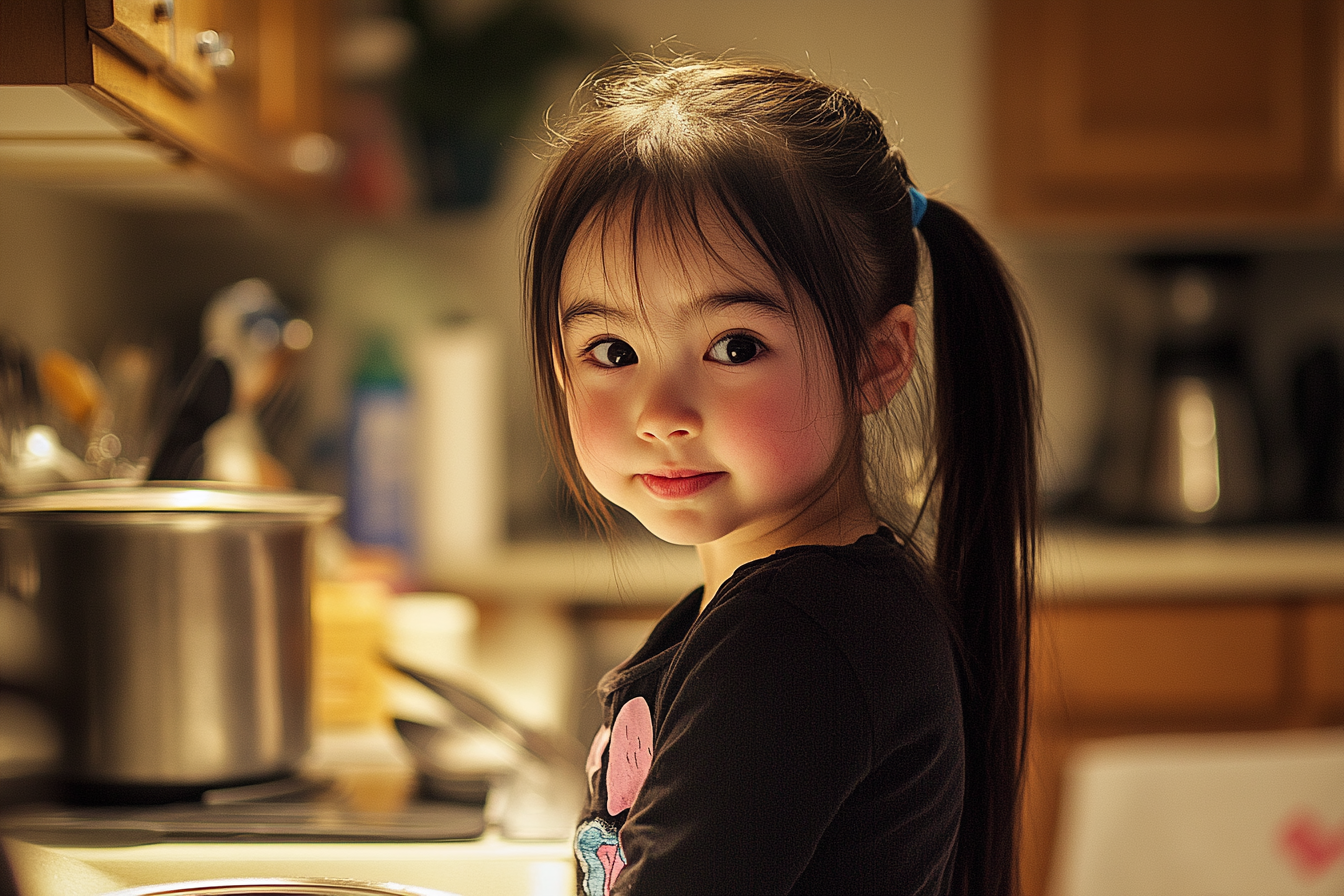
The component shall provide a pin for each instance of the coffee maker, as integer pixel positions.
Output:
(1186, 445)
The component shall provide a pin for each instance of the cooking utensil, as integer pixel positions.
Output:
(536, 787)
(20, 403)
(247, 326)
(20, 400)
(180, 619)
(445, 772)
(130, 373)
(523, 796)
(73, 386)
(204, 397)
(547, 748)
(79, 394)
(40, 461)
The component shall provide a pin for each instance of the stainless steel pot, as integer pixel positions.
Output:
(178, 622)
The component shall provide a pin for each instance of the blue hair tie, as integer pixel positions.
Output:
(918, 203)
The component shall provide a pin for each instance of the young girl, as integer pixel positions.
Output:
(722, 266)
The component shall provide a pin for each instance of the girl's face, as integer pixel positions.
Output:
(691, 402)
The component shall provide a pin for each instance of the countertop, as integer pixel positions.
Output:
(1080, 563)
(489, 866)
(374, 775)
(1077, 562)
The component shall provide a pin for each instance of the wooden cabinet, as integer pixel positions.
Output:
(1115, 667)
(171, 39)
(1167, 116)
(240, 86)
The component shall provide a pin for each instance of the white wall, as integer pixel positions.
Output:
(55, 255)
(918, 63)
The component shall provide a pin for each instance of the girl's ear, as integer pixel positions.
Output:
(891, 358)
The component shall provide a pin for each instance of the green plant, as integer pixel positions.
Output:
(467, 90)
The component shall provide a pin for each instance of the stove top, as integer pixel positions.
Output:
(351, 813)
(324, 817)
(374, 798)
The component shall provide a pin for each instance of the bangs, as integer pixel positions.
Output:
(671, 216)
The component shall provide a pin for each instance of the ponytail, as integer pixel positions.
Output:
(985, 437)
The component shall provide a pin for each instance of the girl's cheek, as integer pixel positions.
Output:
(595, 419)
(782, 428)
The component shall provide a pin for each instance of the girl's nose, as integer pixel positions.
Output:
(668, 414)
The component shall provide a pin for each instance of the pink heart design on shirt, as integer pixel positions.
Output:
(600, 741)
(1311, 845)
(631, 753)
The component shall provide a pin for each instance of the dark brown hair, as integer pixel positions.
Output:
(806, 175)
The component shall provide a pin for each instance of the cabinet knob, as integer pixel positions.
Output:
(163, 11)
(216, 48)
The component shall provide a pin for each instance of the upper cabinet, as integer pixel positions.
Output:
(172, 40)
(1168, 116)
(239, 86)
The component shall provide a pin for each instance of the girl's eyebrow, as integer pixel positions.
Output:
(573, 313)
(772, 305)
(764, 302)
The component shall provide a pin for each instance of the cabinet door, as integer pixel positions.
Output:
(258, 111)
(164, 37)
(142, 29)
(252, 107)
(1322, 662)
(196, 23)
(1165, 113)
(1162, 664)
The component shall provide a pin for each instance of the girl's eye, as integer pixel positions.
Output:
(735, 349)
(613, 353)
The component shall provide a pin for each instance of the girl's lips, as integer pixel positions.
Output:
(678, 484)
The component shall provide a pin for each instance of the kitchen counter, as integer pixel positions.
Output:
(374, 776)
(1077, 562)
(489, 866)
(1085, 562)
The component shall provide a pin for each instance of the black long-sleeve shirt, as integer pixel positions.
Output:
(802, 734)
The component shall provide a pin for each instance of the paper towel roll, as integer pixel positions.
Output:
(458, 422)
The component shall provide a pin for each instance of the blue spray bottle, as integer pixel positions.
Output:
(378, 508)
